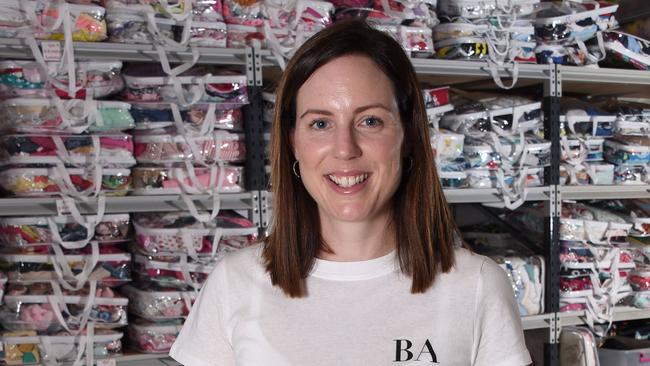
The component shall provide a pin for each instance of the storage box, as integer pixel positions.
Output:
(614, 357)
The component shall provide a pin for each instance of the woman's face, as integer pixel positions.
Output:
(348, 138)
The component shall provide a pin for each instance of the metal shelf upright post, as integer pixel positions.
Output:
(254, 130)
(551, 107)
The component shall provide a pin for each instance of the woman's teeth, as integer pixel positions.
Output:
(348, 181)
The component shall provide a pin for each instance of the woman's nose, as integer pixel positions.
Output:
(346, 144)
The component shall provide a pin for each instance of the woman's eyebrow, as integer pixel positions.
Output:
(357, 110)
(316, 111)
(370, 106)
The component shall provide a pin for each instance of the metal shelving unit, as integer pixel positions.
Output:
(259, 201)
(246, 201)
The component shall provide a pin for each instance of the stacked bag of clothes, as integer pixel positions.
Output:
(173, 254)
(188, 136)
(498, 32)
(604, 142)
(525, 270)
(597, 261)
(60, 302)
(62, 139)
(499, 137)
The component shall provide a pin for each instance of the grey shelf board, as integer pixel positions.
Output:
(471, 195)
(137, 359)
(540, 321)
(491, 195)
(16, 48)
(426, 66)
(48, 206)
(477, 68)
(603, 75)
(620, 313)
(146, 359)
(605, 192)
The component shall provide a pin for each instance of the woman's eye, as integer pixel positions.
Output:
(372, 122)
(319, 124)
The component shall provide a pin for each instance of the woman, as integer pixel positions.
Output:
(360, 266)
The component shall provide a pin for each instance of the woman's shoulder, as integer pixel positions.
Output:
(247, 259)
(472, 264)
(241, 263)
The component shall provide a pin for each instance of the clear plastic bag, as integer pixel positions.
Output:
(242, 36)
(50, 182)
(182, 233)
(126, 27)
(200, 10)
(526, 275)
(197, 118)
(221, 146)
(22, 18)
(70, 116)
(26, 347)
(453, 179)
(35, 231)
(627, 50)
(153, 337)
(111, 269)
(108, 150)
(38, 307)
(150, 84)
(170, 270)
(19, 78)
(174, 180)
(447, 145)
(156, 303)
(628, 150)
(204, 34)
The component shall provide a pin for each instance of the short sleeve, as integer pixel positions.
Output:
(498, 334)
(203, 340)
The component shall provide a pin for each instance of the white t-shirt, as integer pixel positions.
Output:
(355, 313)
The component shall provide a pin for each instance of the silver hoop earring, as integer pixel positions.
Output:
(295, 169)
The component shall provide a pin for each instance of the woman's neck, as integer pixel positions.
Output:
(357, 241)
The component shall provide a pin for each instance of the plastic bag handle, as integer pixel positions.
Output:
(494, 72)
(186, 272)
(63, 153)
(216, 234)
(196, 91)
(582, 152)
(187, 299)
(280, 52)
(187, 239)
(158, 36)
(164, 61)
(59, 175)
(191, 206)
(63, 270)
(57, 301)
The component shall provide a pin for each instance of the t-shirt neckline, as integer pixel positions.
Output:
(355, 271)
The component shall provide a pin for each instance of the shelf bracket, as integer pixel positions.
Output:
(250, 66)
(554, 328)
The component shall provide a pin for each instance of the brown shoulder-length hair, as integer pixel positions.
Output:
(424, 227)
